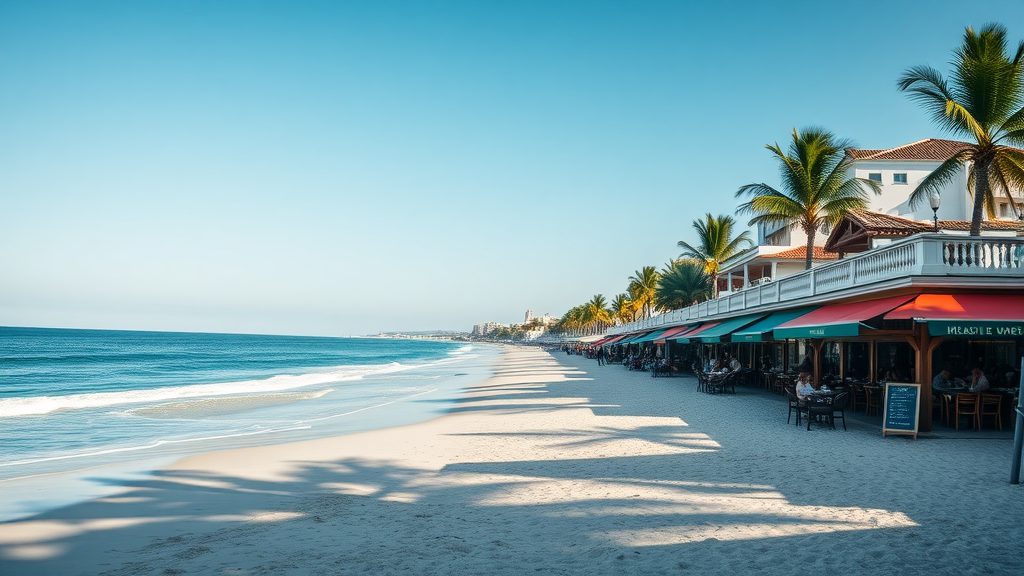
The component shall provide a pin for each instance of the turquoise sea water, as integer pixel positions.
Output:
(79, 399)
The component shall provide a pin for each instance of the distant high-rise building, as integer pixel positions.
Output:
(529, 315)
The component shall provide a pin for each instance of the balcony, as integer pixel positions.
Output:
(941, 259)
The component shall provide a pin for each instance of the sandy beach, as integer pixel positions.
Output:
(557, 466)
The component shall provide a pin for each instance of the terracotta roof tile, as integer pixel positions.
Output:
(878, 224)
(1006, 225)
(929, 149)
(800, 253)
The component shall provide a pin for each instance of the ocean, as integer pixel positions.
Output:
(80, 409)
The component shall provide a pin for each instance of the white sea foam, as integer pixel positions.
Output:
(301, 425)
(222, 406)
(38, 405)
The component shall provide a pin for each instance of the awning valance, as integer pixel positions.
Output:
(837, 320)
(982, 316)
(762, 330)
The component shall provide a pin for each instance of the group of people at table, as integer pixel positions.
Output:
(944, 382)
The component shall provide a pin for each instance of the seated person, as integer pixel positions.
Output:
(735, 364)
(979, 383)
(805, 386)
(943, 381)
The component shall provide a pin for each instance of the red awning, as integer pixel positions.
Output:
(672, 334)
(995, 307)
(837, 320)
(616, 338)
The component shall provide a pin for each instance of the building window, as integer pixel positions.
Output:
(899, 178)
(875, 177)
(1004, 210)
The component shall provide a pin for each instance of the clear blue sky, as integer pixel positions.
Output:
(347, 167)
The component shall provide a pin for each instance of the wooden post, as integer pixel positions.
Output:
(842, 361)
(923, 366)
(871, 361)
(816, 346)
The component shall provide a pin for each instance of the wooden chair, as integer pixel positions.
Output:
(967, 405)
(781, 381)
(857, 396)
(991, 407)
(949, 407)
(794, 405)
(872, 400)
(839, 402)
(937, 409)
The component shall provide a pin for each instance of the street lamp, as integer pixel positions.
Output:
(934, 201)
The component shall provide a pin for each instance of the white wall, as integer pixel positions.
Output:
(895, 197)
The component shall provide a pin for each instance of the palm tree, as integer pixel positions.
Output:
(983, 102)
(716, 244)
(682, 283)
(815, 189)
(622, 309)
(595, 313)
(644, 282)
(571, 321)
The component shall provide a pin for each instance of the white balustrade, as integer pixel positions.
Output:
(921, 255)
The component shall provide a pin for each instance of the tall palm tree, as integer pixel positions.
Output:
(983, 101)
(815, 189)
(715, 244)
(682, 283)
(595, 313)
(622, 309)
(571, 321)
(645, 282)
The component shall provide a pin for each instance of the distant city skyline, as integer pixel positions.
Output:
(357, 167)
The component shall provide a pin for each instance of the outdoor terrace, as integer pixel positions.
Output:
(920, 261)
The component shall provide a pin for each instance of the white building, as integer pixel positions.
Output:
(529, 316)
(486, 328)
(780, 250)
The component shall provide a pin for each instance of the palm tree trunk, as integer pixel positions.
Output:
(714, 286)
(980, 191)
(810, 248)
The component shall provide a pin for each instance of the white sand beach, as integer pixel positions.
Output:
(557, 466)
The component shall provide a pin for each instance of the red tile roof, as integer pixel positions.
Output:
(800, 253)
(929, 149)
(878, 224)
(985, 225)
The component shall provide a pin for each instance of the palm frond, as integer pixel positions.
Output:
(937, 180)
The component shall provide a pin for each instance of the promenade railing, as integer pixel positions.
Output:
(928, 255)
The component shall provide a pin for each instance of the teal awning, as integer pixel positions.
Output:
(693, 334)
(653, 336)
(632, 338)
(718, 333)
(761, 331)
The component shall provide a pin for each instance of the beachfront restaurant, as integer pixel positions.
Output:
(899, 312)
(867, 343)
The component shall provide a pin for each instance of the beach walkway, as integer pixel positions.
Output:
(557, 466)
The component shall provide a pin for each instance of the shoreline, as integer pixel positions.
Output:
(552, 465)
(109, 471)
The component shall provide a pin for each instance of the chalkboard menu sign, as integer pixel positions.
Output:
(902, 408)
